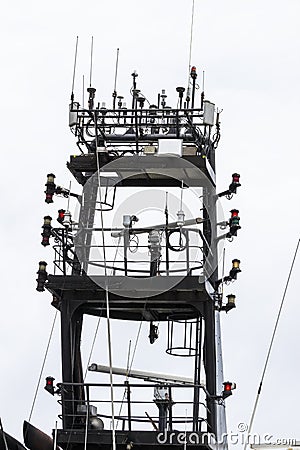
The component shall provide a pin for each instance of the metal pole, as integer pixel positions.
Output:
(128, 404)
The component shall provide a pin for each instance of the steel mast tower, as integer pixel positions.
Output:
(108, 264)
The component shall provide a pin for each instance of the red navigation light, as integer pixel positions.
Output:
(234, 223)
(235, 178)
(193, 72)
(235, 183)
(49, 385)
(227, 389)
(234, 213)
(61, 215)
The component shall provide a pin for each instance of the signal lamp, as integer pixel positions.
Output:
(227, 389)
(235, 183)
(67, 220)
(50, 188)
(193, 72)
(61, 216)
(46, 231)
(230, 301)
(49, 385)
(235, 268)
(42, 276)
(234, 223)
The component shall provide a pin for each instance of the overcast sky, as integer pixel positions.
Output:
(250, 53)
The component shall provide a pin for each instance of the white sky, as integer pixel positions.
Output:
(250, 52)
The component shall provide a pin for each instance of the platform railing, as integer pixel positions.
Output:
(143, 407)
(129, 255)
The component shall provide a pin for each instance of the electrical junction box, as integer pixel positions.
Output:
(208, 113)
(172, 147)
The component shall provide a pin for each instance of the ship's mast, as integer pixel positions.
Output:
(159, 272)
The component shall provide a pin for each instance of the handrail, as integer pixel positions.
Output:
(168, 410)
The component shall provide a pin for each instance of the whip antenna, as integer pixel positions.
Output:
(115, 84)
(74, 70)
(191, 40)
(91, 65)
(83, 91)
(202, 93)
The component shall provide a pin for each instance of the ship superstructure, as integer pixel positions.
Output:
(114, 261)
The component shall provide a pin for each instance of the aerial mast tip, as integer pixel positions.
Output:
(114, 95)
(74, 70)
(91, 66)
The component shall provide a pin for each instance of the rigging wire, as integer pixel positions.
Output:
(99, 319)
(92, 348)
(270, 348)
(43, 366)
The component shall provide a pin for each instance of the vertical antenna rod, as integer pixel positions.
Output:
(191, 43)
(91, 90)
(115, 84)
(91, 65)
(83, 91)
(134, 77)
(74, 70)
(202, 93)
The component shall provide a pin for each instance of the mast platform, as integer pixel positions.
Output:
(152, 299)
(141, 170)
